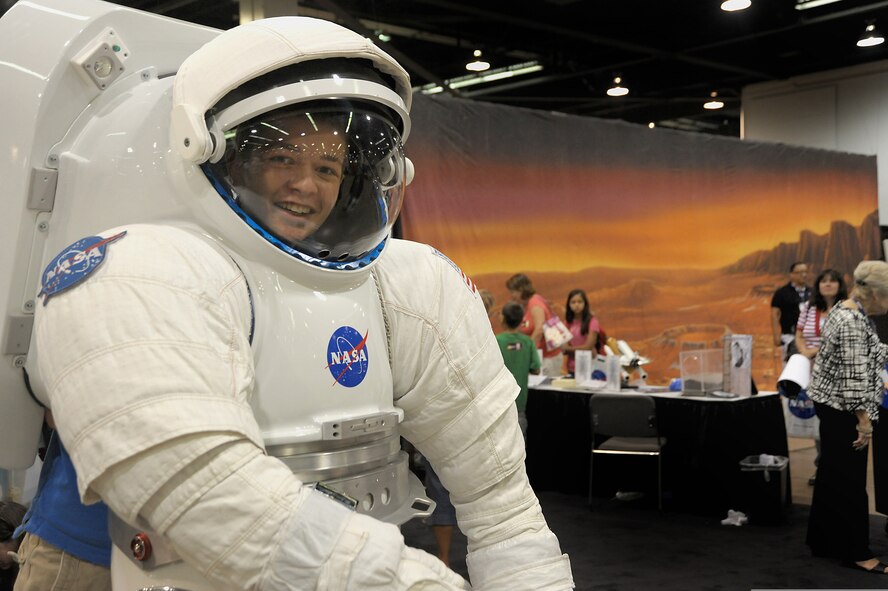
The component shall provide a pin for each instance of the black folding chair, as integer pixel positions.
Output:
(629, 421)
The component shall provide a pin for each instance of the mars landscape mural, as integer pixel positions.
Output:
(678, 238)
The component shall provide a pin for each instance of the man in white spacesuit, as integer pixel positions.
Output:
(291, 187)
(179, 358)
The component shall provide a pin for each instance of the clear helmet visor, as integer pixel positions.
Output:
(323, 181)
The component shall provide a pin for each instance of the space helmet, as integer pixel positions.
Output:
(299, 124)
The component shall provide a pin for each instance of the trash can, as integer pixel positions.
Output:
(763, 490)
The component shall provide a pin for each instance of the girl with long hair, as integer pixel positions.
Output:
(583, 326)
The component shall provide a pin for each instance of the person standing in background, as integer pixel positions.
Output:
(785, 306)
(443, 518)
(583, 325)
(829, 288)
(487, 299)
(520, 356)
(65, 544)
(847, 388)
(880, 437)
(536, 312)
(11, 515)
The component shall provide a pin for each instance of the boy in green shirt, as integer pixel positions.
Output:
(520, 356)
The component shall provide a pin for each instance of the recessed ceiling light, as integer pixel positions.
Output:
(617, 89)
(713, 103)
(871, 37)
(477, 65)
(735, 5)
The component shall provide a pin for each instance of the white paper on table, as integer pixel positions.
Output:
(534, 380)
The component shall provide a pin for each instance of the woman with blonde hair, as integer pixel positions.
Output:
(847, 388)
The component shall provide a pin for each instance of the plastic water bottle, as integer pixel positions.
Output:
(613, 372)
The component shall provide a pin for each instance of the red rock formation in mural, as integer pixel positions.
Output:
(660, 312)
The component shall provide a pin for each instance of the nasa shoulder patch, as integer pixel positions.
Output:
(74, 264)
(347, 356)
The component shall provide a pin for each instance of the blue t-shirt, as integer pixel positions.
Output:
(58, 517)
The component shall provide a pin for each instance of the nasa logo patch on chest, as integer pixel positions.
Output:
(74, 264)
(347, 356)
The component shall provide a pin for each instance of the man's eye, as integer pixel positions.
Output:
(329, 171)
(280, 160)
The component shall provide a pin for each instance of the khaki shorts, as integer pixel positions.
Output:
(44, 567)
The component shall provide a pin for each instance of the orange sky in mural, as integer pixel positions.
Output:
(644, 220)
(630, 218)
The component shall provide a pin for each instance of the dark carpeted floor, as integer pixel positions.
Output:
(631, 546)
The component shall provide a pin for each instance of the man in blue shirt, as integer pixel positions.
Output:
(66, 543)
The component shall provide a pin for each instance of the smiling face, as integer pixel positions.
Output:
(291, 184)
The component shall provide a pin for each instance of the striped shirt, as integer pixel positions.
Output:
(847, 370)
(808, 321)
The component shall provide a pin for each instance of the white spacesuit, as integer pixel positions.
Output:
(249, 326)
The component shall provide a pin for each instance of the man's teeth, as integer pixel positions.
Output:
(298, 209)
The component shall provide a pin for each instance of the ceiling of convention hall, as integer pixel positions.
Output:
(563, 55)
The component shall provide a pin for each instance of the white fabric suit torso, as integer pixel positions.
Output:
(149, 371)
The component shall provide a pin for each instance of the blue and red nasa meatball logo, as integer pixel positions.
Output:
(347, 356)
(74, 264)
